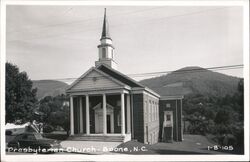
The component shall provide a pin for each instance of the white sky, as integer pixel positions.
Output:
(50, 42)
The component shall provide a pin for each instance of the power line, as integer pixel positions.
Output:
(147, 21)
(84, 20)
(151, 74)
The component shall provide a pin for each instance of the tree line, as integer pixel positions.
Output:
(220, 116)
(22, 105)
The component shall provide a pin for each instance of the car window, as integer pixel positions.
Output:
(25, 137)
(31, 137)
(19, 137)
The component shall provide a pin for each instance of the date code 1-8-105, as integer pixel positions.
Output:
(217, 147)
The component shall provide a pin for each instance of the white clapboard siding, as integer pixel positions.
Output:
(95, 80)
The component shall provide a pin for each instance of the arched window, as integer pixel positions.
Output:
(103, 53)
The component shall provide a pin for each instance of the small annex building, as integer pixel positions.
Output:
(106, 105)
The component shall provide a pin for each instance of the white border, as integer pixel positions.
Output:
(244, 3)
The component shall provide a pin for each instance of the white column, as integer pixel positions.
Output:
(128, 114)
(122, 115)
(81, 119)
(104, 115)
(71, 116)
(87, 115)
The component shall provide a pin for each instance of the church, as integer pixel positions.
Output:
(106, 105)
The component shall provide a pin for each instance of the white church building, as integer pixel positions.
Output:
(106, 105)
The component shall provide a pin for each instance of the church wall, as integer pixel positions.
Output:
(138, 120)
(151, 119)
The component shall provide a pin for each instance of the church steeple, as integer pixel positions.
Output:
(106, 49)
(105, 27)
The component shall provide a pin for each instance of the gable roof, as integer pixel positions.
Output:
(98, 71)
(119, 76)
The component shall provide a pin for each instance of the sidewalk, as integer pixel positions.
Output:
(89, 147)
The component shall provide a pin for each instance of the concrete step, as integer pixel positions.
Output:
(97, 138)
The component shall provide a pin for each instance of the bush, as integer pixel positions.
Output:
(8, 133)
(48, 129)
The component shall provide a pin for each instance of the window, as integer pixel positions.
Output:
(153, 137)
(146, 112)
(168, 105)
(168, 117)
(103, 53)
(154, 112)
(156, 137)
(150, 112)
(157, 111)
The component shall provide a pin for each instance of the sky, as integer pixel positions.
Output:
(58, 42)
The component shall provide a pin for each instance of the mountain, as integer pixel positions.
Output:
(49, 88)
(193, 80)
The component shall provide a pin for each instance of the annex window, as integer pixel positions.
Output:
(154, 112)
(150, 111)
(168, 117)
(157, 112)
(146, 112)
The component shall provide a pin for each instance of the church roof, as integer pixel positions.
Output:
(125, 79)
(105, 28)
(119, 76)
(107, 78)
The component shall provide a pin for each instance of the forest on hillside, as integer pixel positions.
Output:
(220, 118)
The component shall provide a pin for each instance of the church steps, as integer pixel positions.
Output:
(97, 138)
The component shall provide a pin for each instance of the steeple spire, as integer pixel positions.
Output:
(105, 27)
(106, 49)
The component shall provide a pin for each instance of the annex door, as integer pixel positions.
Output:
(167, 127)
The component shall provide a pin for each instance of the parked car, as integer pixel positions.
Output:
(34, 141)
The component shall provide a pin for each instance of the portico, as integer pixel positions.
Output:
(105, 113)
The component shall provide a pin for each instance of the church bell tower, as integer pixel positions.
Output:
(106, 49)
